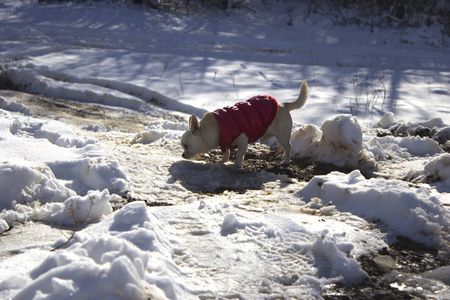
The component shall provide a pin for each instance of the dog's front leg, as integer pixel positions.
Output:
(242, 143)
(225, 156)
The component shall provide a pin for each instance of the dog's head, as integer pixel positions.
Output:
(192, 141)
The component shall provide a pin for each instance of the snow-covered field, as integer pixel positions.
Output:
(71, 172)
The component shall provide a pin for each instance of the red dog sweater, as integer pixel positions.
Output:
(251, 117)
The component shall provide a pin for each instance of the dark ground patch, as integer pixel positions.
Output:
(262, 158)
(410, 258)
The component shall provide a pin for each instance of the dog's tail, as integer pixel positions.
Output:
(301, 100)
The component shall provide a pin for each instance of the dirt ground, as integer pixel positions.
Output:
(410, 258)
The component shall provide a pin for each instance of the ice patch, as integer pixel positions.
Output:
(200, 176)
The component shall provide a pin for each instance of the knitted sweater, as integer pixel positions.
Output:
(251, 117)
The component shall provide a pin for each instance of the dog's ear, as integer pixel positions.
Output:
(193, 124)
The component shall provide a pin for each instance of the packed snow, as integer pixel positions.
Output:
(275, 238)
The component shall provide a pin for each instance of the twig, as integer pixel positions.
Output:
(78, 224)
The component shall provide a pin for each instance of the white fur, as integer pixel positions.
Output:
(204, 136)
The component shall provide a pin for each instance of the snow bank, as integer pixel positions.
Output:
(399, 209)
(338, 141)
(33, 82)
(50, 173)
(43, 81)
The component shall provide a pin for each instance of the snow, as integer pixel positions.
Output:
(263, 234)
(55, 171)
(338, 141)
(414, 214)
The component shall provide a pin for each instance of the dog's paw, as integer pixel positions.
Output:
(238, 165)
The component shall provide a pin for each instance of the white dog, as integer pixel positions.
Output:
(260, 117)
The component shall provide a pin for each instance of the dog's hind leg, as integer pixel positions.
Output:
(284, 144)
(225, 156)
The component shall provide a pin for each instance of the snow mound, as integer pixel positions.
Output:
(338, 141)
(400, 210)
(128, 260)
(50, 173)
(160, 130)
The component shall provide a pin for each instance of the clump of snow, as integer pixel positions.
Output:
(441, 274)
(73, 210)
(402, 147)
(412, 213)
(332, 260)
(24, 185)
(387, 120)
(160, 130)
(13, 106)
(408, 139)
(338, 141)
(3, 226)
(435, 128)
(97, 128)
(436, 170)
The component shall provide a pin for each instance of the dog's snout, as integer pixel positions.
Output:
(183, 155)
